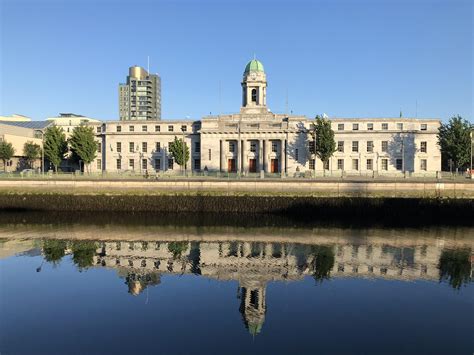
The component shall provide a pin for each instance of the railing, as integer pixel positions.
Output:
(302, 176)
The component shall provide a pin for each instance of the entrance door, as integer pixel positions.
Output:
(274, 166)
(231, 168)
(252, 165)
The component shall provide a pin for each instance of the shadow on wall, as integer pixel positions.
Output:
(298, 149)
(402, 146)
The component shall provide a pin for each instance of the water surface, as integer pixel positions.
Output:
(95, 288)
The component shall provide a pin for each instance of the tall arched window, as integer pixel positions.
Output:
(254, 95)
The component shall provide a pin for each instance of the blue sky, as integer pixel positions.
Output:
(345, 58)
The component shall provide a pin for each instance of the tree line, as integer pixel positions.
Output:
(80, 146)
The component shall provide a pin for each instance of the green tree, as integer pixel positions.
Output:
(455, 142)
(31, 152)
(6, 153)
(323, 262)
(177, 248)
(176, 148)
(83, 144)
(325, 145)
(54, 250)
(455, 267)
(55, 145)
(83, 253)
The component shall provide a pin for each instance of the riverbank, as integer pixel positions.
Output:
(282, 187)
(369, 202)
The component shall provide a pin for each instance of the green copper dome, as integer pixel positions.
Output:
(254, 65)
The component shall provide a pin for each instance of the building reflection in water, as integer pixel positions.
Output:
(254, 264)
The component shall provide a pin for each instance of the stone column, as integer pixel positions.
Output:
(221, 154)
(239, 156)
(282, 156)
(244, 156)
(260, 155)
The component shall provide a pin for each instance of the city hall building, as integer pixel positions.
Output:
(257, 141)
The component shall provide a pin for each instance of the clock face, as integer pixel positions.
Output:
(253, 76)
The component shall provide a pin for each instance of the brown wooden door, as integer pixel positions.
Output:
(252, 165)
(231, 166)
(274, 165)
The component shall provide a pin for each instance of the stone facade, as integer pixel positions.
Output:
(257, 141)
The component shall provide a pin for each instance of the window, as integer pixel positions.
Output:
(400, 126)
(399, 164)
(184, 128)
(423, 147)
(355, 126)
(253, 147)
(340, 146)
(423, 164)
(119, 147)
(370, 126)
(384, 126)
(197, 147)
(370, 164)
(210, 154)
(99, 164)
(158, 147)
(340, 127)
(340, 164)
(254, 95)
(370, 146)
(99, 129)
(384, 164)
(99, 147)
(131, 128)
(119, 128)
(119, 164)
(170, 163)
(157, 164)
(144, 128)
(274, 147)
(131, 147)
(384, 146)
(423, 127)
(355, 146)
(197, 164)
(355, 164)
(170, 128)
(326, 165)
(312, 164)
(157, 128)
(296, 154)
(131, 164)
(231, 147)
(144, 164)
(144, 147)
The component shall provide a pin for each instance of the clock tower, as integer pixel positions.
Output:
(254, 88)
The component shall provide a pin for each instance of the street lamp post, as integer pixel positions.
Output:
(471, 135)
(184, 152)
(42, 153)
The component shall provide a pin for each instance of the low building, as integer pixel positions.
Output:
(19, 133)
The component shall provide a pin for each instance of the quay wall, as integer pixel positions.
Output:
(377, 201)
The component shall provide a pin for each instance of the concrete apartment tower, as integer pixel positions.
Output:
(140, 97)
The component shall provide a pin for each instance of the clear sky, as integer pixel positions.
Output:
(345, 58)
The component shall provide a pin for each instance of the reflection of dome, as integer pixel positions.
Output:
(254, 65)
(253, 308)
(254, 329)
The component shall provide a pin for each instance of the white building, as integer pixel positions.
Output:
(257, 141)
